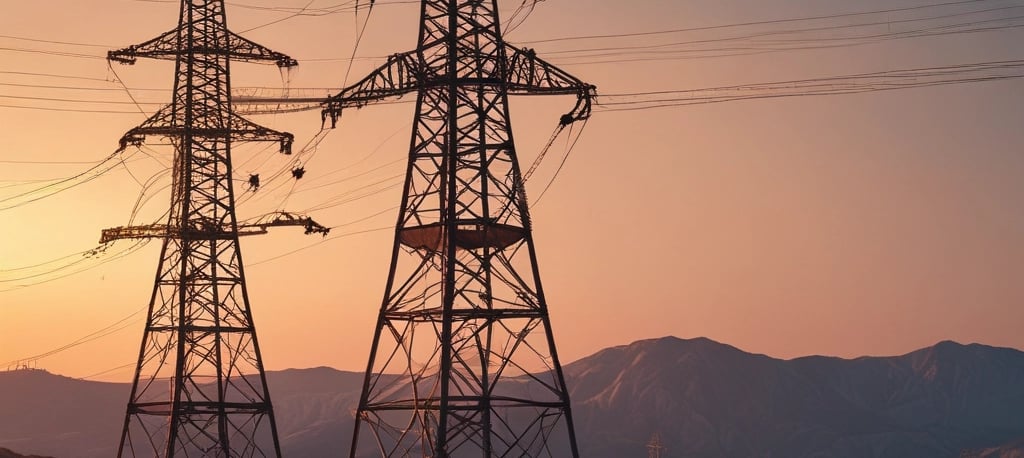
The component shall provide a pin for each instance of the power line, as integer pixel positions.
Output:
(753, 44)
(571, 144)
(53, 53)
(66, 110)
(293, 15)
(320, 242)
(54, 188)
(833, 85)
(69, 43)
(104, 372)
(7, 161)
(751, 37)
(54, 75)
(92, 336)
(123, 253)
(66, 100)
(747, 24)
(530, 4)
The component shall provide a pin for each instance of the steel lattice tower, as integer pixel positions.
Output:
(199, 387)
(654, 447)
(463, 361)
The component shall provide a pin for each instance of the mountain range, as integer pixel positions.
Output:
(699, 397)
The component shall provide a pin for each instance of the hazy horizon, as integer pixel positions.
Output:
(750, 351)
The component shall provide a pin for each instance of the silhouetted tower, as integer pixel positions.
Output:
(655, 447)
(463, 361)
(199, 388)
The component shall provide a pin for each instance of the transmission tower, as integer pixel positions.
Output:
(654, 447)
(199, 387)
(463, 361)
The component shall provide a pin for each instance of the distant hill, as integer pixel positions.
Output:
(707, 399)
(48, 414)
(5, 453)
(703, 398)
(55, 415)
(1013, 449)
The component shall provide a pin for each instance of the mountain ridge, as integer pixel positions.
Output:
(702, 397)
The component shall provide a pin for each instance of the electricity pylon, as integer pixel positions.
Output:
(654, 447)
(463, 361)
(199, 387)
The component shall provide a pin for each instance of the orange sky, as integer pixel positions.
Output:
(851, 225)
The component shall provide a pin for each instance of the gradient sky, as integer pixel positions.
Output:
(850, 225)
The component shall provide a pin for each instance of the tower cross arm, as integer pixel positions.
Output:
(398, 76)
(247, 131)
(282, 219)
(246, 50)
(529, 74)
(166, 123)
(256, 227)
(164, 46)
(169, 46)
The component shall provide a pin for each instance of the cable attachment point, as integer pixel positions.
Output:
(123, 57)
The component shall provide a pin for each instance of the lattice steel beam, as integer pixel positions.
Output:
(463, 361)
(199, 387)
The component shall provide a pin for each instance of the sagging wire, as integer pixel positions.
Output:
(294, 187)
(98, 251)
(53, 188)
(311, 149)
(268, 152)
(319, 242)
(293, 169)
(834, 85)
(349, 178)
(343, 198)
(20, 183)
(88, 252)
(117, 78)
(145, 196)
(651, 53)
(358, 40)
(346, 197)
(107, 371)
(375, 150)
(544, 151)
(126, 169)
(294, 15)
(86, 256)
(298, 169)
(112, 328)
(752, 23)
(570, 145)
(528, 6)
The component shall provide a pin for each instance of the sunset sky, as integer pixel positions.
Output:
(867, 224)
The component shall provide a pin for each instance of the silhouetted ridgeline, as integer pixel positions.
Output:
(703, 398)
(711, 400)
(5, 453)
